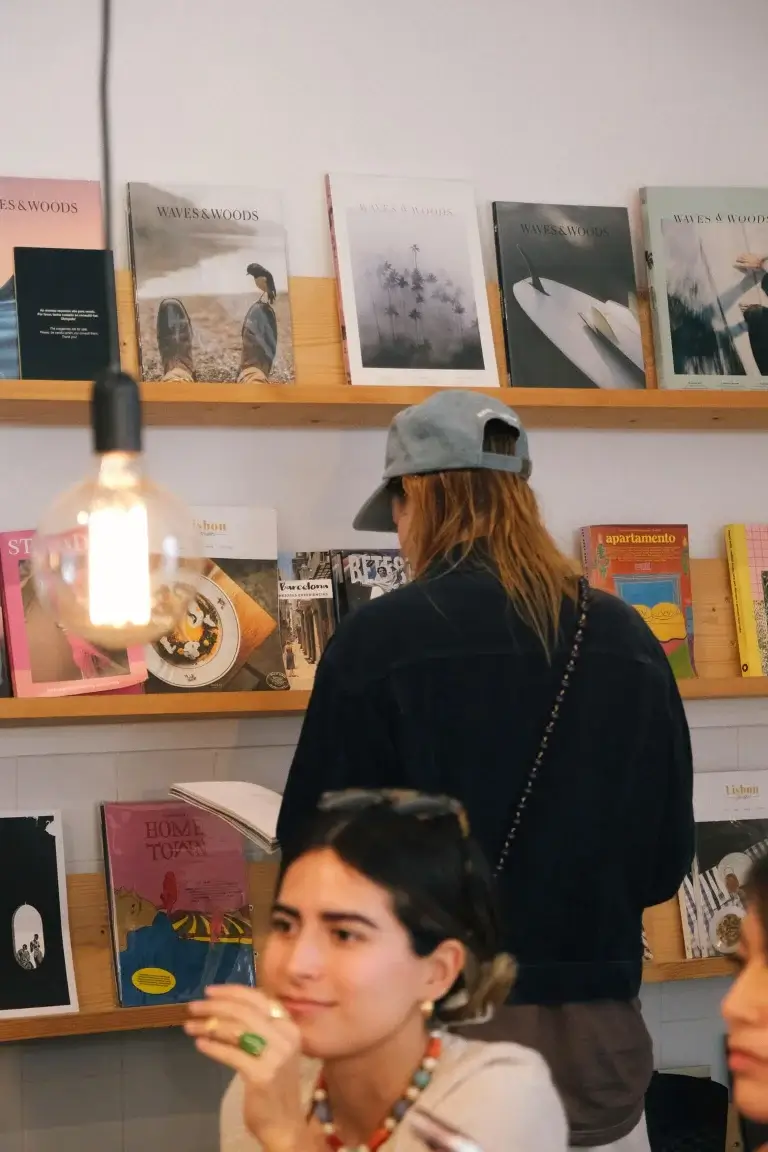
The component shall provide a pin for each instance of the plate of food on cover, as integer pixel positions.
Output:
(204, 645)
(725, 929)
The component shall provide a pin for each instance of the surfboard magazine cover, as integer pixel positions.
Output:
(178, 901)
(647, 566)
(569, 296)
(706, 251)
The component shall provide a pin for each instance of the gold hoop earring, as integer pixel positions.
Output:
(427, 1008)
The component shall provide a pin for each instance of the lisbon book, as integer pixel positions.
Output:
(412, 291)
(731, 814)
(647, 566)
(307, 614)
(210, 275)
(178, 901)
(228, 638)
(360, 577)
(569, 297)
(37, 976)
(707, 259)
(39, 213)
(45, 659)
(746, 547)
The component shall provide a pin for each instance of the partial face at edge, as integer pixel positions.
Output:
(745, 1010)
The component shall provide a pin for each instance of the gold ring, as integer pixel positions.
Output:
(276, 1011)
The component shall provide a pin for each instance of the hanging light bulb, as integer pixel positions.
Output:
(115, 558)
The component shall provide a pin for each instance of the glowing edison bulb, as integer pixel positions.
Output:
(114, 558)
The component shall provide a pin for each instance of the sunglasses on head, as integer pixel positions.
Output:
(422, 805)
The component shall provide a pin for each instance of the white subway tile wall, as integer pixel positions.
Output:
(142, 1090)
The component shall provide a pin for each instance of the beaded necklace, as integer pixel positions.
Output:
(321, 1108)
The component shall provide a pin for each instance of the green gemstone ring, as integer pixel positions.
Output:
(252, 1043)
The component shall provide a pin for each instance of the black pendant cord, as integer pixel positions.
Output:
(115, 400)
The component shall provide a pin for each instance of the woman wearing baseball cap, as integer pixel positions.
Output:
(549, 710)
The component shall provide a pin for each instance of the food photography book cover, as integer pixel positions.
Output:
(307, 613)
(569, 297)
(412, 291)
(649, 567)
(45, 659)
(40, 214)
(228, 639)
(731, 813)
(210, 275)
(36, 971)
(178, 901)
(707, 258)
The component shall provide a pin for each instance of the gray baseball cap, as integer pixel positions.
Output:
(443, 434)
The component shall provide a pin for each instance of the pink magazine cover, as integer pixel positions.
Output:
(44, 659)
(179, 903)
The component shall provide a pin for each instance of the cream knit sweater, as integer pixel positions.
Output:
(499, 1094)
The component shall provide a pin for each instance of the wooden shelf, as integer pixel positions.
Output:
(717, 662)
(94, 972)
(166, 706)
(321, 397)
(92, 950)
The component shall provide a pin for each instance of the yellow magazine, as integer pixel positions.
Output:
(746, 548)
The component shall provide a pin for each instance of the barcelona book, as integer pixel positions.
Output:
(37, 975)
(45, 659)
(360, 577)
(707, 258)
(210, 277)
(647, 566)
(64, 297)
(228, 638)
(412, 293)
(307, 615)
(40, 214)
(731, 813)
(569, 298)
(746, 547)
(178, 902)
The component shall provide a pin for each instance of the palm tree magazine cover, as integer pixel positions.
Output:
(412, 291)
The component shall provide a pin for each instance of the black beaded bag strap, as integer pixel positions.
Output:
(533, 772)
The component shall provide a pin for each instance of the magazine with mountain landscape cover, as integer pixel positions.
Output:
(569, 298)
(210, 276)
(647, 566)
(412, 290)
(707, 258)
(40, 213)
(178, 901)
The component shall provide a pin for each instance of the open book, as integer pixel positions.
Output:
(249, 808)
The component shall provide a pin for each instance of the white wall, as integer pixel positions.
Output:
(576, 102)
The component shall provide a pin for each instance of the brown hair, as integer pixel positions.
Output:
(495, 516)
(757, 893)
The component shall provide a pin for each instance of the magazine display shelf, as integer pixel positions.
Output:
(321, 397)
(717, 663)
(92, 949)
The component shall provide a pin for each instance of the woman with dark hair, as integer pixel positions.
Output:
(383, 932)
(745, 1008)
(549, 710)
